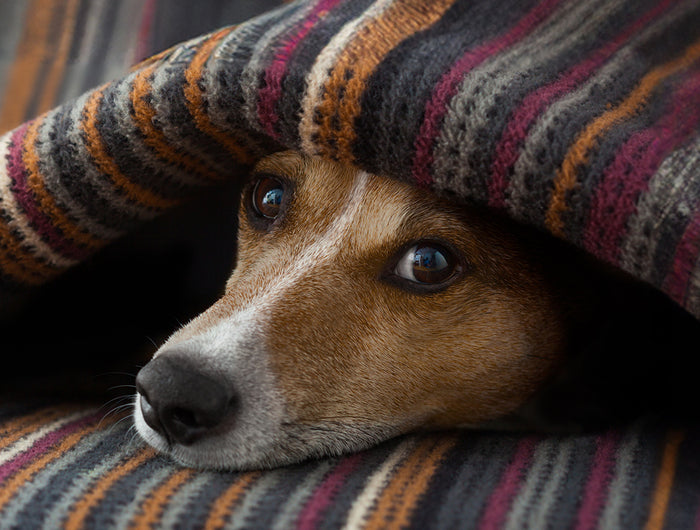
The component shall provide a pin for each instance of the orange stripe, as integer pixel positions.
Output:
(46, 201)
(144, 115)
(221, 509)
(11, 486)
(106, 163)
(31, 53)
(152, 508)
(82, 508)
(20, 263)
(195, 99)
(20, 427)
(664, 481)
(360, 58)
(59, 55)
(399, 499)
(578, 153)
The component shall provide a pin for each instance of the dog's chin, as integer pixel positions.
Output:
(245, 448)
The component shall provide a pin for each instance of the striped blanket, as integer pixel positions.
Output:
(581, 118)
(71, 467)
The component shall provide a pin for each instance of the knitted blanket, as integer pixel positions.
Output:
(69, 467)
(580, 118)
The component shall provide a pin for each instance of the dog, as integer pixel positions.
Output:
(362, 308)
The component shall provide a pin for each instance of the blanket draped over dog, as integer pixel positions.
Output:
(580, 118)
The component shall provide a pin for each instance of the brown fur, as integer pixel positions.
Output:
(346, 344)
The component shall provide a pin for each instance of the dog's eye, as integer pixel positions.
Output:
(267, 197)
(427, 264)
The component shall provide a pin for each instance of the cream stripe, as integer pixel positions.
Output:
(21, 445)
(19, 222)
(376, 483)
(319, 74)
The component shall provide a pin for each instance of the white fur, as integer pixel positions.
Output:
(260, 433)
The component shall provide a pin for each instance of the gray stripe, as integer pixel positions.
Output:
(539, 477)
(669, 201)
(156, 173)
(174, 118)
(261, 57)
(141, 492)
(288, 511)
(555, 130)
(469, 118)
(619, 491)
(116, 206)
(177, 513)
(255, 496)
(475, 481)
(552, 135)
(223, 94)
(76, 483)
(58, 475)
(76, 206)
(559, 467)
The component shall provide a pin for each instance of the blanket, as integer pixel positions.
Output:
(579, 118)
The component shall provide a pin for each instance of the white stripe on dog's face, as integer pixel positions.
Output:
(326, 356)
(233, 345)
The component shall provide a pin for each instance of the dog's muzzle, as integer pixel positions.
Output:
(180, 402)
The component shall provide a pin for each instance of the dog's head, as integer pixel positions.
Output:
(360, 308)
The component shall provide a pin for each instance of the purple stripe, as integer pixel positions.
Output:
(24, 195)
(601, 475)
(41, 446)
(514, 134)
(272, 88)
(326, 493)
(628, 176)
(447, 87)
(501, 499)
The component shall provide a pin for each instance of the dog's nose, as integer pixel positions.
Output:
(180, 402)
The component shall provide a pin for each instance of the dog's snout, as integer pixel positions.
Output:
(180, 402)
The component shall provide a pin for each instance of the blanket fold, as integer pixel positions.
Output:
(579, 118)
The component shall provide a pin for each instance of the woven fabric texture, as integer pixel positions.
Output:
(72, 467)
(577, 117)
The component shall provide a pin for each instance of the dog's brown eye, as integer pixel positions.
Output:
(267, 197)
(426, 263)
